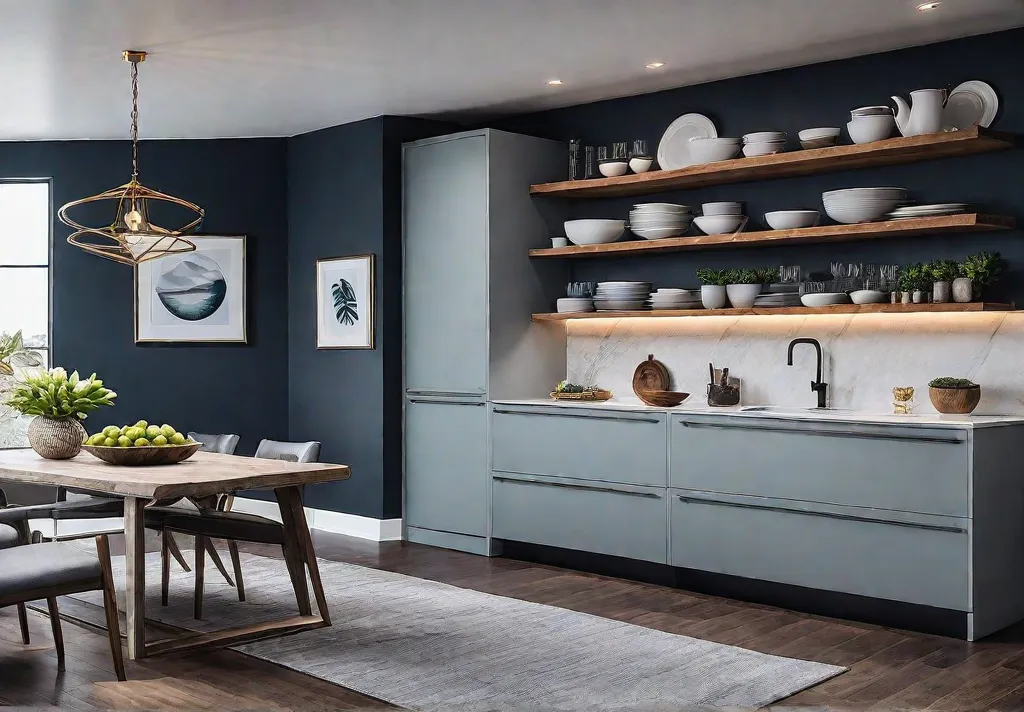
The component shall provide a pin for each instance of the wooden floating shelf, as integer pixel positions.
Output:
(775, 311)
(787, 165)
(968, 222)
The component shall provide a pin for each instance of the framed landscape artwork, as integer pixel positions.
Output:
(344, 302)
(193, 297)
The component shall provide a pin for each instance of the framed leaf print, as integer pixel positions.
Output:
(344, 302)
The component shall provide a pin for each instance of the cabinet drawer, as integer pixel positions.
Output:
(838, 550)
(585, 444)
(905, 469)
(619, 520)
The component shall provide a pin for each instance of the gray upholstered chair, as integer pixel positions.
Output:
(224, 444)
(222, 523)
(11, 537)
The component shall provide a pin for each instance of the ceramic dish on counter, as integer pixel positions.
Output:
(594, 232)
(791, 219)
(674, 148)
(869, 296)
(824, 299)
(973, 102)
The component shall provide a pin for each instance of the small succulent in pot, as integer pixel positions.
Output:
(712, 290)
(743, 287)
(957, 396)
(983, 269)
(769, 275)
(59, 402)
(914, 281)
(942, 272)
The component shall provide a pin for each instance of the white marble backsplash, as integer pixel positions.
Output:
(865, 356)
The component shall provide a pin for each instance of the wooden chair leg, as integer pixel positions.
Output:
(165, 566)
(110, 606)
(172, 546)
(58, 635)
(197, 612)
(297, 574)
(215, 558)
(23, 622)
(237, 566)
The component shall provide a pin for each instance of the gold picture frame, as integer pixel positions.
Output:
(194, 330)
(346, 309)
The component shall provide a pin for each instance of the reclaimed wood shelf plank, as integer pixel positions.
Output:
(790, 164)
(775, 311)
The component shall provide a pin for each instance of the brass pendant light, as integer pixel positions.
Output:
(132, 238)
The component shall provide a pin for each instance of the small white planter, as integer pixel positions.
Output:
(918, 296)
(940, 292)
(905, 298)
(742, 296)
(963, 289)
(713, 296)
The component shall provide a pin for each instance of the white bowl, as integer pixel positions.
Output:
(710, 150)
(594, 232)
(763, 148)
(611, 169)
(871, 111)
(659, 233)
(868, 296)
(865, 129)
(791, 219)
(567, 305)
(885, 191)
(722, 208)
(720, 224)
(640, 164)
(857, 205)
(811, 134)
(764, 136)
(742, 296)
(824, 299)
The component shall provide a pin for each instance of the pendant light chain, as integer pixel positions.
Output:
(135, 121)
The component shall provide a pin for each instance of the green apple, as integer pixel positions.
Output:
(142, 442)
(177, 439)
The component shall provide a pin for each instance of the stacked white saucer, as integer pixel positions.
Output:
(656, 221)
(763, 143)
(621, 296)
(927, 211)
(666, 298)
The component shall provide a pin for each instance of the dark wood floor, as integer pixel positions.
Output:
(888, 668)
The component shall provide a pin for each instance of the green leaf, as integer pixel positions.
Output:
(345, 303)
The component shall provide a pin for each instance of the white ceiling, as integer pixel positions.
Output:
(281, 67)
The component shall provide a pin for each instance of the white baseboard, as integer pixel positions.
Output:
(333, 522)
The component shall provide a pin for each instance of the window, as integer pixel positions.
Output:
(25, 262)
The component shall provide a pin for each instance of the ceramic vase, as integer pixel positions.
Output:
(918, 296)
(742, 296)
(904, 297)
(713, 296)
(940, 292)
(56, 438)
(963, 290)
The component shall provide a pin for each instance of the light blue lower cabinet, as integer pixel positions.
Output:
(618, 520)
(897, 556)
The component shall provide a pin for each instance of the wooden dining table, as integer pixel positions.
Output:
(203, 475)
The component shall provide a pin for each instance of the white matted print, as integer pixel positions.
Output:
(344, 302)
(195, 296)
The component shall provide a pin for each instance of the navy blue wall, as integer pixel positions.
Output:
(804, 97)
(214, 388)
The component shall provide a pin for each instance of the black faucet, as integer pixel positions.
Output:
(816, 385)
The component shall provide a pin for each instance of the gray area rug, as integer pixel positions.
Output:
(425, 645)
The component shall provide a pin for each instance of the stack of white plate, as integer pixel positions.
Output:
(858, 205)
(927, 211)
(675, 299)
(779, 299)
(570, 305)
(621, 296)
(763, 143)
(656, 221)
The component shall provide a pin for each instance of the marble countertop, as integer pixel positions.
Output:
(840, 416)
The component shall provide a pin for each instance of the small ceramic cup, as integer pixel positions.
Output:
(559, 242)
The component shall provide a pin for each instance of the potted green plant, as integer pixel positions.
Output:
(743, 287)
(958, 396)
(910, 280)
(59, 402)
(942, 273)
(769, 275)
(712, 287)
(982, 270)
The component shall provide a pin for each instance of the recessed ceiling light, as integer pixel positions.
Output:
(926, 6)
(554, 82)
(655, 65)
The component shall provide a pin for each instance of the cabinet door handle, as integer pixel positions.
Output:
(827, 515)
(446, 402)
(449, 394)
(580, 415)
(829, 433)
(587, 488)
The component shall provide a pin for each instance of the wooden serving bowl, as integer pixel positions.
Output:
(662, 399)
(136, 456)
(955, 401)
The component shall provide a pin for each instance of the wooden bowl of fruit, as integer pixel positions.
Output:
(140, 444)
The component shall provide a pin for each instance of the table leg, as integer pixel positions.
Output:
(135, 576)
(294, 517)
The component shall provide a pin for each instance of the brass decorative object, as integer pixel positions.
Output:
(903, 400)
(132, 237)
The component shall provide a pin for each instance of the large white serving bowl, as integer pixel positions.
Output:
(824, 299)
(857, 205)
(710, 150)
(865, 129)
(869, 296)
(763, 148)
(722, 208)
(791, 219)
(594, 232)
(720, 224)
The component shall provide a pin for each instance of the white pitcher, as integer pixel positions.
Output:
(924, 116)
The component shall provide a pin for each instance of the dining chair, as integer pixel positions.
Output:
(222, 523)
(29, 572)
(10, 537)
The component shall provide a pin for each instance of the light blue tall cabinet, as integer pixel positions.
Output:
(470, 288)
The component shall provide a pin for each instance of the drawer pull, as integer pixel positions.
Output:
(580, 415)
(827, 515)
(446, 394)
(446, 402)
(827, 433)
(587, 488)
